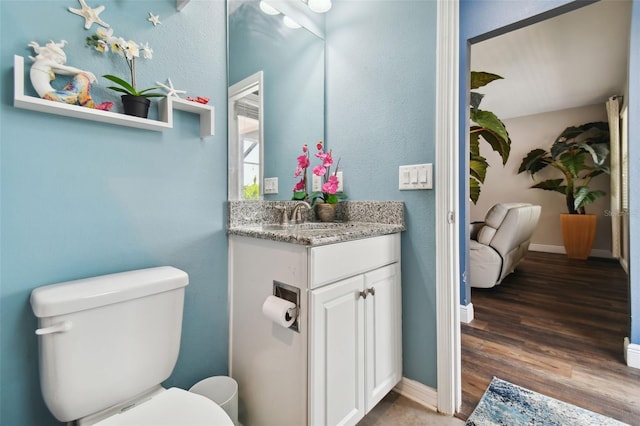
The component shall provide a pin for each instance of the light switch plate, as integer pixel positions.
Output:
(415, 176)
(316, 183)
(270, 185)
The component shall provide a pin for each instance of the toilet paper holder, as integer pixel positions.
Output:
(291, 294)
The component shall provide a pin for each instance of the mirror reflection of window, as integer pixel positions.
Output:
(246, 147)
(248, 118)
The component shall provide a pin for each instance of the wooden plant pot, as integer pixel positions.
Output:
(578, 234)
(326, 212)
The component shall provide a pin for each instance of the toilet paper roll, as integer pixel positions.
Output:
(280, 311)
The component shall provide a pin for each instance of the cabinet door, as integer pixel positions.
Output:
(384, 332)
(337, 354)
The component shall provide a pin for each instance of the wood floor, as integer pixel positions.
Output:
(555, 326)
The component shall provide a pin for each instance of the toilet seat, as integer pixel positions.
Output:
(173, 407)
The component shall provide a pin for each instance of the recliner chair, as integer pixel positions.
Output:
(500, 243)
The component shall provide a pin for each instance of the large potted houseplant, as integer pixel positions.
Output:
(487, 126)
(579, 153)
(135, 102)
(325, 200)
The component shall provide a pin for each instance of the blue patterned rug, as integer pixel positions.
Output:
(504, 403)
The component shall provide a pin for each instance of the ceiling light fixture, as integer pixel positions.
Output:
(319, 6)
(268, 9)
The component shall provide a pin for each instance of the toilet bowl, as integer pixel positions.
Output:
(107, 343)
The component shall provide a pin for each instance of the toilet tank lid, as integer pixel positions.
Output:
(88, 293)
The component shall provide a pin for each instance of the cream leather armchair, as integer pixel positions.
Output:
(500, 243)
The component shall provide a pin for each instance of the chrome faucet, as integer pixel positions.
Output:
(284, 220)
(296, 214)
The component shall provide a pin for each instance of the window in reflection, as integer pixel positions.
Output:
(245, 139)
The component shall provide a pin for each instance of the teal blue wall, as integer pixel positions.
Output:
(481, 19)
(380, 115)
(81, 198)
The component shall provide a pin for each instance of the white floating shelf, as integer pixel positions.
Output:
(207, 118)
(165, 108)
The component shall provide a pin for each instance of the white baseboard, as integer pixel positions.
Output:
(631, 353)
(625, 265)
(416, 391)
(548, 248)
(466, 313)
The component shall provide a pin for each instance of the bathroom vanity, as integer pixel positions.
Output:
(346, 352)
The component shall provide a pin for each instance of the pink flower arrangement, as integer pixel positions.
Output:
(329, 193)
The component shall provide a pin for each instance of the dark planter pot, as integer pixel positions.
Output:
(136, 105)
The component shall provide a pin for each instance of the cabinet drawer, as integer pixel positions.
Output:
(338, 261)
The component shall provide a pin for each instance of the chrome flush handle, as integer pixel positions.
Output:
(61, 327)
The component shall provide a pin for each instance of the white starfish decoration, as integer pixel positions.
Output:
(90, 15)
(170, 89)
(154, 19)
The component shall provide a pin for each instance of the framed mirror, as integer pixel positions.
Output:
(290, 61)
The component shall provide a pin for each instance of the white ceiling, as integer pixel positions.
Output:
(575, 59)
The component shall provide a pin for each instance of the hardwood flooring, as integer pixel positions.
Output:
(555, 326)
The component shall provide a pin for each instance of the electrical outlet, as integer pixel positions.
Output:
(270, 185)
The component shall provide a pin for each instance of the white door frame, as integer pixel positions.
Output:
(449, 387)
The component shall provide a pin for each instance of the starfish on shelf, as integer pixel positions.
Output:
(154, 19)
(171, 91)
(90, 15)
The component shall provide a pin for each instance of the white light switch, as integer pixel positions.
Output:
(413, 172)
(271, 185)
(422, 174)
(340, 185)
(404, 177)
(415, 176)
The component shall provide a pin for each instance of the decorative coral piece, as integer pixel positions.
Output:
(199, 99)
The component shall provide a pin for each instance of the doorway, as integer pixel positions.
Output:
(540, 55)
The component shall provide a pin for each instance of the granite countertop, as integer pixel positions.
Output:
(316, 233)
(355, 220)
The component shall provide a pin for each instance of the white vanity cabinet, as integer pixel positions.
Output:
(346, 354)
(355, 345)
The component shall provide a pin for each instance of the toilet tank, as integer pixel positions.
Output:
(106, 339)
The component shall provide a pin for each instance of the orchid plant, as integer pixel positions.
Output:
(329, 192)
(104, 40)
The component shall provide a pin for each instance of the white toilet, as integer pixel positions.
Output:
(106, 344)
